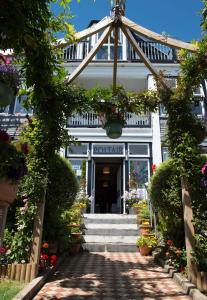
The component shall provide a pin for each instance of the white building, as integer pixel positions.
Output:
(110, 165)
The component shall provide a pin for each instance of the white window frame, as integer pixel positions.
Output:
(138, 155)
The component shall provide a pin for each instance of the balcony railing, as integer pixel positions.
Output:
(92, 120)
(154, 51)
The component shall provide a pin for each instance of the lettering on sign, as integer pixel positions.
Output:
(111, 149)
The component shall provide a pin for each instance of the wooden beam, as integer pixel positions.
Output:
(142, 55)
(116, 36)
(90, 55)
(88, 32)
(189, 231)
(158, 37)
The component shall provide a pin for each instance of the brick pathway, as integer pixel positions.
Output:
(110, 276)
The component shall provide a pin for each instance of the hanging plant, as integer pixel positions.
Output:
(9, 84)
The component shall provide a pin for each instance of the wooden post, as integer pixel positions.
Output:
(23, 273)
(189, 231)
(37, 234)
(28, 273)
(3, 214)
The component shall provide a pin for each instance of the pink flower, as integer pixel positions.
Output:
(169, 242)
(2, 250)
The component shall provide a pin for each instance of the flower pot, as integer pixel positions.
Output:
(6, 94)
(113, 128)
(131, 211)
(144, 229)
(75, 248)
(8, 192)
(144, 250)
(77, 235)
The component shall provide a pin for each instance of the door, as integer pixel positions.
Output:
(93, 173)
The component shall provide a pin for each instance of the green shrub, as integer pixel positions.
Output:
(60, 196)
(165, 194)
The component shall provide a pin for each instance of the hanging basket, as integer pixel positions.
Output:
(113, 128)
(6, 94)
(8, 192)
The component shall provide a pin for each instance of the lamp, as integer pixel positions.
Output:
(106, 170)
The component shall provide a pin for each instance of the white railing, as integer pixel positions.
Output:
(92, 120)
(154, 51)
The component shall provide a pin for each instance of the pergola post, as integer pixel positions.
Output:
(189, 231)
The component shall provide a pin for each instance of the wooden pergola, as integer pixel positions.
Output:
(118, 22)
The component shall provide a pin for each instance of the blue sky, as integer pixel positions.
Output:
(178, 18)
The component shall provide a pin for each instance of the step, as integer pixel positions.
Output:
(105, 239)
(109, 247)
(112, 229)
(109, 219)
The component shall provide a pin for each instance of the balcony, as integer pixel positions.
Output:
(154, 51)
(92, 120)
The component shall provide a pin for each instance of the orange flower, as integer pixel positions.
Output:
(45, 245)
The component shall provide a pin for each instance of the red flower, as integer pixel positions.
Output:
(25, 148)
(154, 168)
(53, 260)
(45, 257)
(4, 136)
(169, 242)
(3, 250)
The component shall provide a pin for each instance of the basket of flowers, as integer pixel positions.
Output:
(9, 83)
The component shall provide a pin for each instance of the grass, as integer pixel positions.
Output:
(8, 289)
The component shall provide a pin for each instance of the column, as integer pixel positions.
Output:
(156, 137)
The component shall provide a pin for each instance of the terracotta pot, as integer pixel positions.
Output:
(8, 192)
(144, 250)
(75, 248)
(145, 229)
(77, 236)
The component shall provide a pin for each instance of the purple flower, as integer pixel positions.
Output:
(10, 75)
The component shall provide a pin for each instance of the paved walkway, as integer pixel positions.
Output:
(110, 276)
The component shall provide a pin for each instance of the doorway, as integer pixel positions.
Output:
(108, 186)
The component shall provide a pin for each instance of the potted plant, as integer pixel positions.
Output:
(72, 217)
(143, 215)
(9, 84)
(130, 199)
(76, 232)
(82, 200)
(146, 244)
(75, 245)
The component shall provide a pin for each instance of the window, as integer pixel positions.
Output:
(138, 173)
(165, 153)
(77, 150)
(138, 150)
(80, 166)
(107, 50)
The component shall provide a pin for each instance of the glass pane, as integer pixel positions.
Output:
(19, 109)
(79, 167)
(77, 149)
(119, 52)
(103, 53)
(138, 173)
(139, 149)
(197, 108)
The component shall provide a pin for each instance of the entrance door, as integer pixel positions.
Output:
(108, 186)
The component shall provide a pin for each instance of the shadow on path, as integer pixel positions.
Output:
(110, 276)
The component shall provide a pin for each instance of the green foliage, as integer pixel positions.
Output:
(12, 163)
(72, 216)
(150, 241)
(165, 194)
(61, 192)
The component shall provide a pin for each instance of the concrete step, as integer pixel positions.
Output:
(109, 219)
(112, 229)
(106, 239)
(109, 247)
